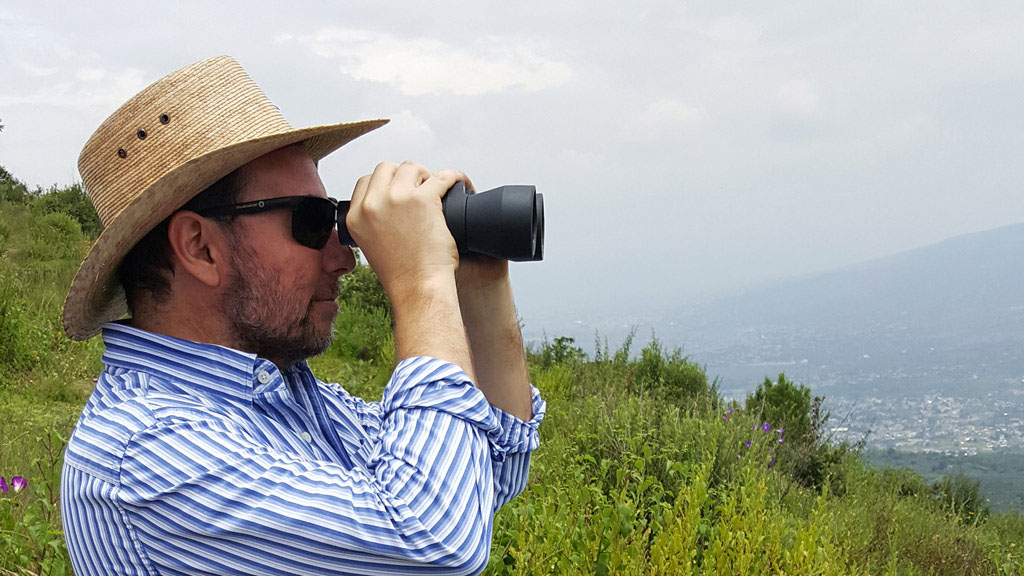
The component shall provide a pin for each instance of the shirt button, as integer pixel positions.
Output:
(307, 437)
(263, 377)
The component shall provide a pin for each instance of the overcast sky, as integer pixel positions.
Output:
(682, 148)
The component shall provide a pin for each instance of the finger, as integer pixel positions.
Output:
(440, 182)
(376, 185)
(359, 192)
(410, 175)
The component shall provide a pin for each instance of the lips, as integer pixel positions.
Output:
(328, 294)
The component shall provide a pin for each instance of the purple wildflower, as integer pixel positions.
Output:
(769, 466)
(773, 460)
(730, 410)
(725, 417)
(766, 427)
(747, 444)
(782, 440)
(739, 456)
(18, 483)
(3, 485)
(779, 430)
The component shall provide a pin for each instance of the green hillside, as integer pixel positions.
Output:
(643, 468)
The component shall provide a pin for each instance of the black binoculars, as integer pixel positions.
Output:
(506, 222)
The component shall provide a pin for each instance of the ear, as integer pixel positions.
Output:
(199, 247)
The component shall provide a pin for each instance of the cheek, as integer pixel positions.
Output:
(297, 278)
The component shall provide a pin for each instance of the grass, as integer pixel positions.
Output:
(643, 468)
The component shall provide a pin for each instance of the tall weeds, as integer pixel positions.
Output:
(643, 468)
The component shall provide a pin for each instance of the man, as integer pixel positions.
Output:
(208, 447)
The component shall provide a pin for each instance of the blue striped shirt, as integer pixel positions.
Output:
(194, 459)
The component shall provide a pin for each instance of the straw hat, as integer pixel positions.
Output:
(161, 148)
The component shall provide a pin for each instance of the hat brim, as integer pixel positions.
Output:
(96, 296)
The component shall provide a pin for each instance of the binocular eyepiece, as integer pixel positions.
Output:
(506, 222)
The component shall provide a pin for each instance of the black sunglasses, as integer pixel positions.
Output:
(313, 217)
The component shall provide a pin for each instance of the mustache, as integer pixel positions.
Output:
(329, 292)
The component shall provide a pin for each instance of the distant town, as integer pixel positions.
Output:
(954, 426)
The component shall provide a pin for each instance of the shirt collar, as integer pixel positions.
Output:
(208, 369)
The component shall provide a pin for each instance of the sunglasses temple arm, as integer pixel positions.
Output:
(343, 236)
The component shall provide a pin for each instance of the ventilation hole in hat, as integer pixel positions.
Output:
(164, 118)
(141, 134)
(121, 153)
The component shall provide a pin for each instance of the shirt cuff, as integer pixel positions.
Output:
(514, 436)
(428, 383)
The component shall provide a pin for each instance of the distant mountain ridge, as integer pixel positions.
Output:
(917, 318)
(973, 272)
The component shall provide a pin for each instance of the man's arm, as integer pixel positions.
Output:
(395, 216)
(496, 343)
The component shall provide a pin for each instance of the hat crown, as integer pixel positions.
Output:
(202, 108)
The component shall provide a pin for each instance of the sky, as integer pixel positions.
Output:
(684, 149)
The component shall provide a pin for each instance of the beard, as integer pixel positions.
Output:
(267, 319)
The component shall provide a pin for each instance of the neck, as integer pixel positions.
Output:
(196, 322)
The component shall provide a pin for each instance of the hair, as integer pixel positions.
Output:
(147, 269)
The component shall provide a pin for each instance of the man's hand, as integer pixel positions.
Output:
(396, 218)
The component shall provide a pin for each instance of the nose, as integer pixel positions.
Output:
(338, 260)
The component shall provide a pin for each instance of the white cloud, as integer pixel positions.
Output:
(42, 69)
(92, 89)
(418, 66)
(581, 160)
(408, 128)
(797, 97)
(669, 116)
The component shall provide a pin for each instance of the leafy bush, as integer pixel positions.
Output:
(54, 236)
(788, 406)
(73, 201)
(15, 349)
(361, 289)
(961, 496)
(670, 375)
(12, 190)
(365, 323)
(563, 351)
(808, 454)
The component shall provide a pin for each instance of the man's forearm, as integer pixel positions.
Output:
(427, 322)
(496, 344)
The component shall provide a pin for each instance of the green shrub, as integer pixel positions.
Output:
(54, 236)
(15, 335)
(73, 201)
(12, 190)
(562, 351)
(361, 289)
(801, 421)
(670, 375)
(961, 496)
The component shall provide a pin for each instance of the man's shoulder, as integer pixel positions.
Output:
(123, 406)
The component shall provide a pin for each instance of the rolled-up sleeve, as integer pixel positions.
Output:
(511, 447)
(413, 386)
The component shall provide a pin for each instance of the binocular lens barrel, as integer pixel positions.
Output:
(506, 222)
